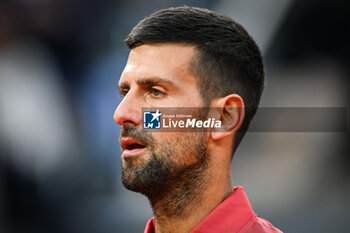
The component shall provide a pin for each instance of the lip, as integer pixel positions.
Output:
(127, 151)
(134, 152)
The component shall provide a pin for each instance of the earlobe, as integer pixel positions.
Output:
(230, 110)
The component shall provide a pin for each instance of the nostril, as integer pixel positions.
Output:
(126, 122)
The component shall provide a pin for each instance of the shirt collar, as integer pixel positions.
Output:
(150, 226)
(233, 213)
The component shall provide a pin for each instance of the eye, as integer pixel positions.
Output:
(123, 92)
(156, 92)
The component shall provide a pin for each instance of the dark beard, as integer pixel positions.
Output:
(168, 183)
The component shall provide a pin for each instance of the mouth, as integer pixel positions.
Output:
(131, 146)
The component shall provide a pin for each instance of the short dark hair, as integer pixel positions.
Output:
(227, 59)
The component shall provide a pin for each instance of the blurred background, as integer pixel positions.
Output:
(60, 61)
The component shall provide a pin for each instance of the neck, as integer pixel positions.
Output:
(189, 203)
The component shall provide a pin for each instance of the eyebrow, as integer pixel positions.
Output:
(147, 82)
(152, 81)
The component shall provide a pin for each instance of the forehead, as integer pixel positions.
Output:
(166, 60)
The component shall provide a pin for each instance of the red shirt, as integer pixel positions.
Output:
(233, 215)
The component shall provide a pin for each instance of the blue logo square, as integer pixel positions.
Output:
(151, 119)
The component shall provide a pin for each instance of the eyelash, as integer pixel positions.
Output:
(151, 89)
(155, 89)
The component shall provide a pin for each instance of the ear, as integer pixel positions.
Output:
(230, 110)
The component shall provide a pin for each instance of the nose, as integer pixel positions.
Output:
(129, 111)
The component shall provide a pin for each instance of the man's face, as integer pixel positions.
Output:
(153, 162)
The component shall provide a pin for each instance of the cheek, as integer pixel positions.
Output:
(181, 148)
(165, 143)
